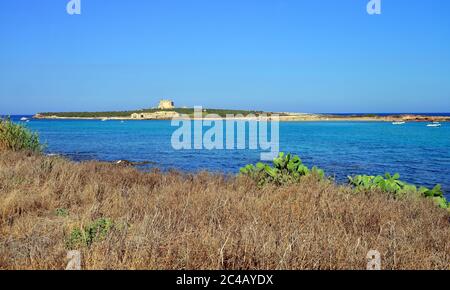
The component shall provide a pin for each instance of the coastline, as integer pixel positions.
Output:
(282, 118)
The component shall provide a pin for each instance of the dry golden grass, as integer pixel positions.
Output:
(204, 221)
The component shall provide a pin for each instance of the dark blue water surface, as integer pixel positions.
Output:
(419, 153)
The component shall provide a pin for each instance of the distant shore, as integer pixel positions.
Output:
(283, 117)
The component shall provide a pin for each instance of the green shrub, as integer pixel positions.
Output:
(86, 236)
(286, 169)
(62, 212)
(16, 137)
(393, 185)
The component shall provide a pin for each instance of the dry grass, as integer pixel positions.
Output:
(177, 221)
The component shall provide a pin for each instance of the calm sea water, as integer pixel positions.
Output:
(419, 153)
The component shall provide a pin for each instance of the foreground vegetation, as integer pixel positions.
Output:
(286, 169)
(392, 185)
(284, 216)
(16, 137)
(289, 169)
(121, 218)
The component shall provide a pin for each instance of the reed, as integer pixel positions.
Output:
(16, 137)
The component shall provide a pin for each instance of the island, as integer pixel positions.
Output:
(166, 110)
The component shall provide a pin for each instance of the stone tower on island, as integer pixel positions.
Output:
(166, 104)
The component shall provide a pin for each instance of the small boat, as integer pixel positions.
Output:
(434, 124)
(398, 123)
(24, 119)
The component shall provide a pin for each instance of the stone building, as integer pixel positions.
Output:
(161, 115)
(166, 104)
(165, 114)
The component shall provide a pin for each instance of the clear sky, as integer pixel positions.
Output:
(275, 55)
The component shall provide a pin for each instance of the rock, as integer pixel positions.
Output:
(130, 163)
(124, 163)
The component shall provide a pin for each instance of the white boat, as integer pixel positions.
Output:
(434, 124)
(398, 123)
(23, 119)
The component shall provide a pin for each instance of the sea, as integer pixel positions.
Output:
(420, 154)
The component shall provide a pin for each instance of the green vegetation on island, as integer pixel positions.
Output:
(125, 114)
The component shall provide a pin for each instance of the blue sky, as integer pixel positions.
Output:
(275, 55)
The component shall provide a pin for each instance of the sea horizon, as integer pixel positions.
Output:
(437, 114)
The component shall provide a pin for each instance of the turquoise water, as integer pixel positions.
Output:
(419, 153)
